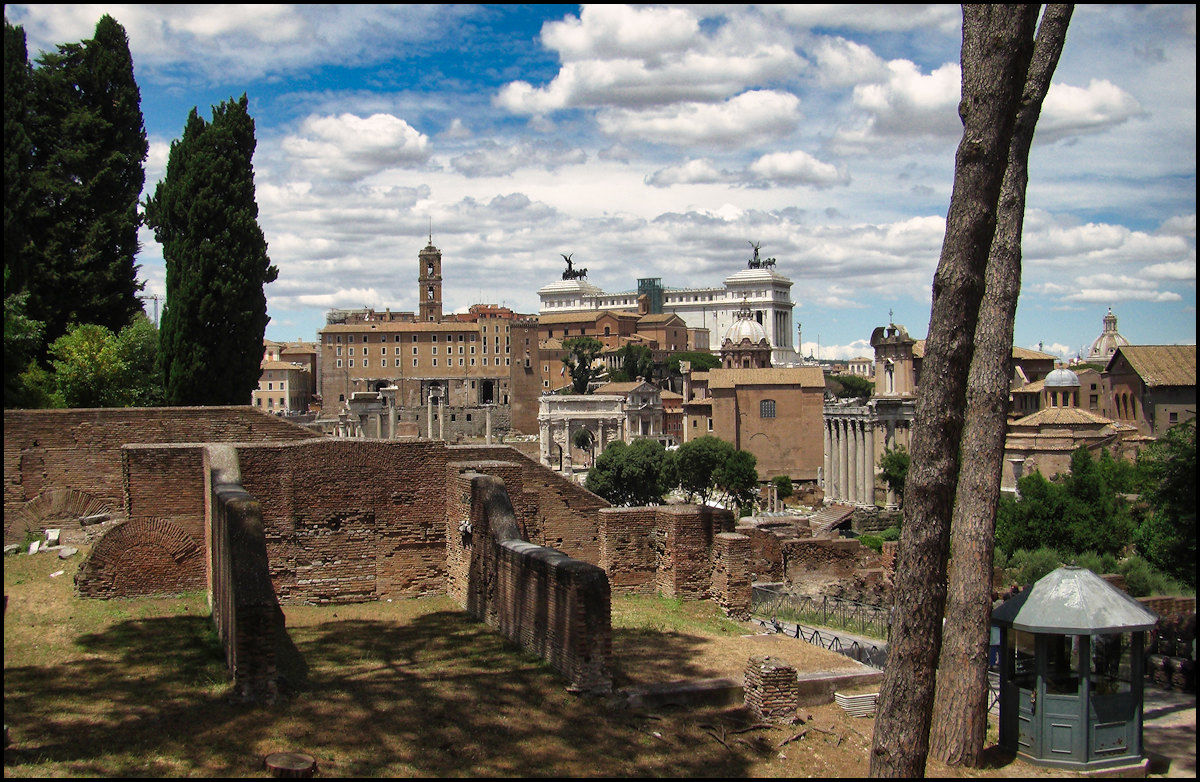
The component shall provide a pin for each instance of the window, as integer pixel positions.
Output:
(352, 363)
(414, 350)
(365, 363)
(710, 424)
(414, 362)
(433, 338)
(414, 337)
(435, 350)
(352, 351)
(339, 350)
(350, 338)
(270, 386)
(383, 363)
(435, 362)
(339, 363)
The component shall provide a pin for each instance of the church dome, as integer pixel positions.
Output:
(746, 327)
(1061, 378)
(1109, 340)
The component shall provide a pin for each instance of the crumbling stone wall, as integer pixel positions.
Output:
(142, 557)
(838, 557)
(665, 549)
(731, 586)
(81, 449)
(244, 605)
(552, 605)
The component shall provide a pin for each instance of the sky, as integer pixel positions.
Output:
(660, 141)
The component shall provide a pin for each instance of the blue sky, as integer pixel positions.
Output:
(658, 141)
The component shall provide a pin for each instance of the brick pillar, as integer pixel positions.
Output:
(731, 587)
(772, 689)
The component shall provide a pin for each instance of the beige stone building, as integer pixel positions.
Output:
(487, 356)
(1151, 387)
(615, 412)
(284, 387)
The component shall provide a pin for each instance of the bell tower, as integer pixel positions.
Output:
(429, 283)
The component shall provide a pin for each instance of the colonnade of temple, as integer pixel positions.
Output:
(559, 431)
(850, 460)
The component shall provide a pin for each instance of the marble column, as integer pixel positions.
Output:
(844, 466)
(828, 457)
(441, 418)
(869, 437)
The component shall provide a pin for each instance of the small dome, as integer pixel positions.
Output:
(1061, 378)
(1109, 340)
(746, 328)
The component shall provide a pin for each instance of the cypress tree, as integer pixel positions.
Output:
(205, 217)
(89, 144)
(18, 156)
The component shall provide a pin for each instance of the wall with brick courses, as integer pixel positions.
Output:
(350, 520)
(142, 557)
(772, 689)
(552, 605)
(731, 585)
(566, 514)
(81, 449)
(165, 482)
(245, 609)
(665, 549)
(766, 553)
(828, 556)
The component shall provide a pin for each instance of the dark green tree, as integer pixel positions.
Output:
(22, 342)
(205, 217)
(1167, 537)
(582, 353)
(636, 474)
(737, 476)
(18, 161)
(783, 486)
(853, 386)
(893, 466)
(636, 361)
(89, 144)
(701, 362)
(698, 462)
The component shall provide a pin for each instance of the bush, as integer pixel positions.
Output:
(889, 534)
(1142, 579)
(1097, 563)
(873, 542)
(783, 486)
(1026, 567)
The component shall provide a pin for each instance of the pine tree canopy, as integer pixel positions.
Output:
(87, 146)
(205, 217)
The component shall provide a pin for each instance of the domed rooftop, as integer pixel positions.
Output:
(745, 327)
(1109, 340)
(1061, 378)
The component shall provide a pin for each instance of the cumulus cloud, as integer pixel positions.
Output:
(747, 119)
(238, 42)
(620, 56)
(693, 172)
(492, 159)
(843, 63)
(1071, 111)
(797, 167)
(348, 147)
(946, 19)
(910, 103)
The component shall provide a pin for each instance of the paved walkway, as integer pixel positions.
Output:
(1169, 732)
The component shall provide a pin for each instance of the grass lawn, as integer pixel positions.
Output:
(407, 688)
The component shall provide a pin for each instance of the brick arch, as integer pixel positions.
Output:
(142, 557)
(55, 507)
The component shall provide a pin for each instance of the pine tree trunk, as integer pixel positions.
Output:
(960, 704)
(997, 44)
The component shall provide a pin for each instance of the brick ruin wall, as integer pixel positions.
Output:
(552, 605)
(80, 451)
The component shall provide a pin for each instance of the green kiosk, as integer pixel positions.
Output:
(1071, 672)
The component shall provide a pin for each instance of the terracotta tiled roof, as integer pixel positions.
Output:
(1019, 353)
(583, 317)
(620, 388)
(1161, 365)
(282, 365)
(1062, 416)
(809, 377)
(399, 326)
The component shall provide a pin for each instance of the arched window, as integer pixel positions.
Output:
(766, 408)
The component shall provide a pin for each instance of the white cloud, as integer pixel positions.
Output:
(1070, 111)
(911, 103)
(945, 19)
(693, 172)
(749, 118)
(348, 147)
(238, 42)
(492, 159)
(619, 56)
(843, 63)
(797, 167)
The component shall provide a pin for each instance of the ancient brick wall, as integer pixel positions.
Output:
(566, 514)
(827, 556)
(772, 689)
(552, 605)
(766, 553)
(165, 482)
(731, 585)
(350, 520)
(142, 557)
(81, 449)
(244, 606)
(631, 547)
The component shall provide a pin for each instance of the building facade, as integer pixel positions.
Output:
(710, 310)
(615, 412)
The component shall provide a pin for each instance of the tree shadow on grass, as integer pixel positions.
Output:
(436, 695)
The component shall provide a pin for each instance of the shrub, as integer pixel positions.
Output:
(873, 542)
(1026, 567)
